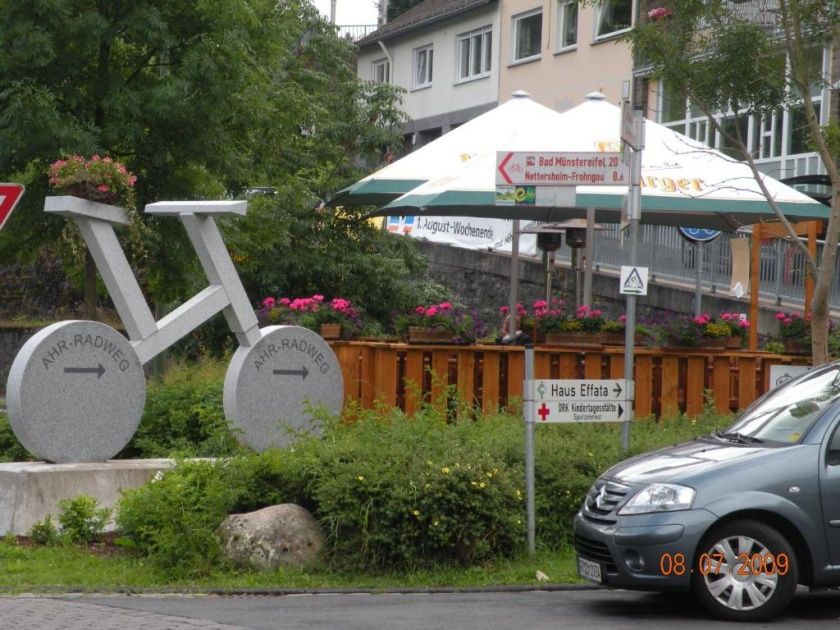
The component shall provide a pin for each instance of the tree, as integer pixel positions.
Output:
(735, 60)
(200, 100)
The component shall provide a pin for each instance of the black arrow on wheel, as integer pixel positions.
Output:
(99, 370)
(302, 372)
(617, 390)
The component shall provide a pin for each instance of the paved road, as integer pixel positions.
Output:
(535, 610)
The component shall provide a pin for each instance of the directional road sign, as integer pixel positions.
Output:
(525, 168)
(583, 401)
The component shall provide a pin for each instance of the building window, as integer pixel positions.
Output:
(613, 16)
(382, 71)
(474, 54)
(527, 35)
(567, 19)
(423, 58)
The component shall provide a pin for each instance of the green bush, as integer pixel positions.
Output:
(44, 532)
(173, 518)
(183, 415)
(82, 522)
(10, 449)
(392, 492)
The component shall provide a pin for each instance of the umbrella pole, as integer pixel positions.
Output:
(589, 257)
(698, 279)
(514, 279)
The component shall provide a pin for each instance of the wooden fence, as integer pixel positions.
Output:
(491, 377)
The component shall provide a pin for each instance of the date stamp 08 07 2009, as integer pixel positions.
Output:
(714, 564)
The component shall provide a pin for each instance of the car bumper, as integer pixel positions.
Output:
(641, 551)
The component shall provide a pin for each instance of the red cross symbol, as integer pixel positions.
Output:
(543, 412)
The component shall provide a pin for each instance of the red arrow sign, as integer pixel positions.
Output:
(10, 194)
(502, 170)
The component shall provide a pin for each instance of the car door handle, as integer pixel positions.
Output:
(834, 523)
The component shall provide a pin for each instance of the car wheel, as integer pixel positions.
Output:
(744, 571)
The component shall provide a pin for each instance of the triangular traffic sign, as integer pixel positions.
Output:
(10, 194)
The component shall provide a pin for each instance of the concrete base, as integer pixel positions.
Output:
(31, 490)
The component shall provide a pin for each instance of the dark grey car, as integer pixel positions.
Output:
(740, 517)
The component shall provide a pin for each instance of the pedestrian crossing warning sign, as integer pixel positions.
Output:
(634, 280)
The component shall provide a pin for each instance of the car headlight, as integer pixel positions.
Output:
(659, 497)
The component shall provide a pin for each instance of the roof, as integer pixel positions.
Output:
(420, 15)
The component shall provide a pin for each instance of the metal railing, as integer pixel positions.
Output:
(355, 32)
(671, 258)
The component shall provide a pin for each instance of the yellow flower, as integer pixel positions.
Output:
(475, 483)
(481, 485)
(590, 455)
(445, 470)
(518, 495)
(489, 474)
(435, 523)
(416, 512)
(360, 478)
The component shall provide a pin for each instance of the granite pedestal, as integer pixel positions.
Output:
(31, 490)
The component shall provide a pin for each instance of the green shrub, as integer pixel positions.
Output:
(82, 522)
(393, 492)
(173, 518)
(183, 415)
(44, 532)
(10, 449)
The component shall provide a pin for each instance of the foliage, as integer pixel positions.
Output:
(11, 450)
(463, 324)
(739, 326)
(549, 317)
(794, 326)
(328, 251)
(201, 100)
(392, 492)
(44, 532)
(731, 60)
(81, 521)
(589, 320)
(311, 312)
(173, 519)
(693, 331)
(183, 415)
(97, 179)
(776, 347)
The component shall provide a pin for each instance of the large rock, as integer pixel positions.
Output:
(279, 535)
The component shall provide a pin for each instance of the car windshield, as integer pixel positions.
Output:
(788, 413)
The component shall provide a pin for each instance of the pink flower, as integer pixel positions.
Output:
(102, 188)
(726, 316)
(432, 311)
(744, 323)
(445, 306)
(504, 310)
(285, 301)
(658, 13)
(420, 310)
(623, 319)
(268, 302)
(107, 159)
(780, 316)
(597, 313)
(318, 298)
(540, 304)
(787, 320)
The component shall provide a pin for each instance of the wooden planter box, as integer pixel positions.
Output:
(331, 331)
(572, 339)
(421, 334)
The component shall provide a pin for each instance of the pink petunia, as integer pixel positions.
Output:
(540, 304)
(268, 302)
(420, 310)
(623, 319)
(504, 310)
(432, 311)
(445, 306)
(781, 316)
(102, 188)
(285, 301)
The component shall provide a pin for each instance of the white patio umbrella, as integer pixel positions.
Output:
(684, 182)
(446, 154)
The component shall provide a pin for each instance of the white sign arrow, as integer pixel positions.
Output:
(524, 168)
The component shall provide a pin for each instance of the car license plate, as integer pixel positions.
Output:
(589, 570)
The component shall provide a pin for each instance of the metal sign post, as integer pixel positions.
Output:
(528, 409)
(634, 136)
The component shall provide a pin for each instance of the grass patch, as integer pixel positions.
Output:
(50, 569)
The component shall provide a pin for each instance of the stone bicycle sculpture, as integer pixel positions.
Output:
(76, 389)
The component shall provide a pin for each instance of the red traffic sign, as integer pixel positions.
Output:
(10, 194)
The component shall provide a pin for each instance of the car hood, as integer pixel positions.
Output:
(683, 461)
